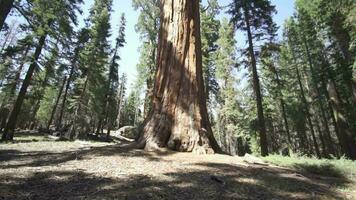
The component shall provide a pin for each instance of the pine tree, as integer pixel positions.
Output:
(229, 115)
(120, 98)
(48, 18)
(80, 43)
(255, 18)
(210, 34)
(113, 78)
(148, 27)
(269, 59)
(94, 65)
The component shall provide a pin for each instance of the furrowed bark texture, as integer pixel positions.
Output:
(178, 119)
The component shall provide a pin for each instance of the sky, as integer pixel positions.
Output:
(130, 55)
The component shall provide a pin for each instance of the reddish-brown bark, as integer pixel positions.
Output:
(178, 119)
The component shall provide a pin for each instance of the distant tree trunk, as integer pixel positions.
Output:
(64, 100)
(120, 101)
(56, 103)
(257, 89)
(307, 113)
(5, 8)
(33, 120)
(149, 85)
(74, 130)
(19, 70)
(325, 153)
(11, 124)
(99, 127)
(37, 106)
(318, 94)
(343, 40)
(281, 100)
(344, 134)
(5, 114)
(179, 118)
(333, 119)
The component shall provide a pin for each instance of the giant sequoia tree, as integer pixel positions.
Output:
(179, 118)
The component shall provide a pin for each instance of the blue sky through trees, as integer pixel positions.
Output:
(130, 55)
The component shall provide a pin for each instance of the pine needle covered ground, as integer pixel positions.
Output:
(37, 167)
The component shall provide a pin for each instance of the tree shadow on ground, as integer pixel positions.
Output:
(17, 159)
(325, 169)
(197, 184)
(200, 180)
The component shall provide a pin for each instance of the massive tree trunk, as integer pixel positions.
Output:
(179, 118)
(257, 89)
(5, 8)
(11, 124)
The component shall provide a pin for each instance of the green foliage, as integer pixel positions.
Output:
(131, 111)
(47, 103)
(94, 62)
(229, 126)
(147, 26)
(210, 26)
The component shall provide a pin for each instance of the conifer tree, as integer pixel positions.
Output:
(113, 78)
(148, 27)
(255, 18)
(47, 19)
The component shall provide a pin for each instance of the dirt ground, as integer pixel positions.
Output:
(44, 170)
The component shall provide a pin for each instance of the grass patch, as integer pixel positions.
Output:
(341, 168)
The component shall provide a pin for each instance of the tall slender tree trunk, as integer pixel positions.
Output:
(56, 103)
(281, 100)
(5, 114)
(331, 116)
(11, 124)
(343, 40)
(37, 106)
(5, 8)
(317, 91)
(74, 130)
(306, 106)
(344, 133)
(257, 89)
(307, 113)
(179, 118)
(64, 100)
(120, 101)
(324, 151)
(149, 84)
(110, 93)
(33, 120)
(19, 70)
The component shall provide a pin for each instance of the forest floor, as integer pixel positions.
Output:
(38, 168)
